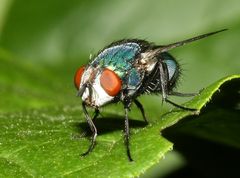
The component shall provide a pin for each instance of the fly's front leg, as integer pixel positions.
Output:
(96, 114)
(93, 129)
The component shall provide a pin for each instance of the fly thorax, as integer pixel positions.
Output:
(147, 62)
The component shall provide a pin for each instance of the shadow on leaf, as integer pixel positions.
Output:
(106, 125)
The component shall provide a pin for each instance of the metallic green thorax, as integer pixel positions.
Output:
(120, 59)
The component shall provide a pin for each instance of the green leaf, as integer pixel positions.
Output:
(43, 42)
(46, 142)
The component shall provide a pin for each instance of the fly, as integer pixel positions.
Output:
(123, 71)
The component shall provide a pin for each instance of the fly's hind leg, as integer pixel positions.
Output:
(174, 93)
(164, 86)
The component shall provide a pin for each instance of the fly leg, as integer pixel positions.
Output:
(127, 133)
(174, 93)
(164, 86)
(93, 129)
(96, 114)
(140, 107)
(127, 103)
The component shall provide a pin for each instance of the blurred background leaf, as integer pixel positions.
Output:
(65, 33)
(42, 43)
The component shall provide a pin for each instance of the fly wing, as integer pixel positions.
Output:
(161, 49)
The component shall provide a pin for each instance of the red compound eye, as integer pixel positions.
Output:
(78, 76)
(110, 82)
